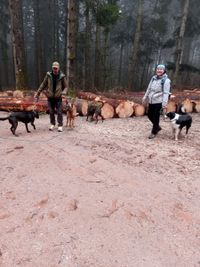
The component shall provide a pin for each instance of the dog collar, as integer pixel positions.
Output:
(175, 118)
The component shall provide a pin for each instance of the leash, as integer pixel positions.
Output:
(163, 113)
(36, 99)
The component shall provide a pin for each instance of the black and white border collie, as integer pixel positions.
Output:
(179, 121)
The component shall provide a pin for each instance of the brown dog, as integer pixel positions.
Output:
(71, 114)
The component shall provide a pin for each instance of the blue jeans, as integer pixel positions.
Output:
(55, 106)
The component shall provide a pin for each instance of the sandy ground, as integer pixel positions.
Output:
(99, 196)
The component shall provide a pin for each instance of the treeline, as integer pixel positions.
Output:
(100, 44)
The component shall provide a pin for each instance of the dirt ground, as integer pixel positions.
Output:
(99, 196)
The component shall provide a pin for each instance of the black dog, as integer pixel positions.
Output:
(179, 121)
(94, 111)
(22, 116)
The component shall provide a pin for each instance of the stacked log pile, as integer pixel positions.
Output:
(17, 101)
(121, 105)
(16, 104)
(127, 104)
(114, 107)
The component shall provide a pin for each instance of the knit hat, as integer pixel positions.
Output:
(161, 67)
(56, 65)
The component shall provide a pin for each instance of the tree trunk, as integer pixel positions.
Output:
(38, 46)
(18, 44)
(133, 67)
(120, 63)
(97, 73)
(4, 64)
(179, 45)
(105, 56)
(65, 61)
(55, 15)
(88, 75)
(71, 43)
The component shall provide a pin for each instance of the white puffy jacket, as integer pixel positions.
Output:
(158, 90)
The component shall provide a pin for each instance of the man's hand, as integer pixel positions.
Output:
(36, 97)
(64, 98)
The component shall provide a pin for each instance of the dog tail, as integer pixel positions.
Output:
(182, 110)
(4, 119)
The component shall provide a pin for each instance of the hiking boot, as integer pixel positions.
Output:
(60, 128)
(159, 129)
(151, 136)
(51, 127)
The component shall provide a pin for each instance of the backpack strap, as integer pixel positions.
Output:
(162, 84)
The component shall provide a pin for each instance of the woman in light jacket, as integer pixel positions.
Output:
(157, 95)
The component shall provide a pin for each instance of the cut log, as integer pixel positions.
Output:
(139, 110)
(3, 94)
(23, 104)
(82, 106)
(188, 105)
(125, 109)
(86, 95)
(6, 94)
(43, 95)
(107, 111)
(196, 105)
(178, 96)
(99, 98)
(171, 106)
(10, 93)
(18, 94)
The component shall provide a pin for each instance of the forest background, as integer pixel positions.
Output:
(101, 45)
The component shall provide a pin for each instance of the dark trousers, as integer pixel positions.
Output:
(154, 116)
(55, 105)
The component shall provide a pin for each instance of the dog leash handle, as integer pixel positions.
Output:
(36, 99)
(163, 112)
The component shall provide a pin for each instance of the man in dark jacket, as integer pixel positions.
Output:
(56, 85)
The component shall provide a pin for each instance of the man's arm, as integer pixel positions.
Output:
(64, 84)
(43, 85)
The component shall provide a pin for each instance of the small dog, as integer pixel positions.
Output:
(71, 114)
(94, 111)
(178, 122)
(22, 116)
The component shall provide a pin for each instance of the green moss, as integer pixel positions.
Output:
(71, 92)
(21, 79)
(72, 56)
(107, 14)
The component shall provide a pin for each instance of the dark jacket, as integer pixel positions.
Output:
(61, 86)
